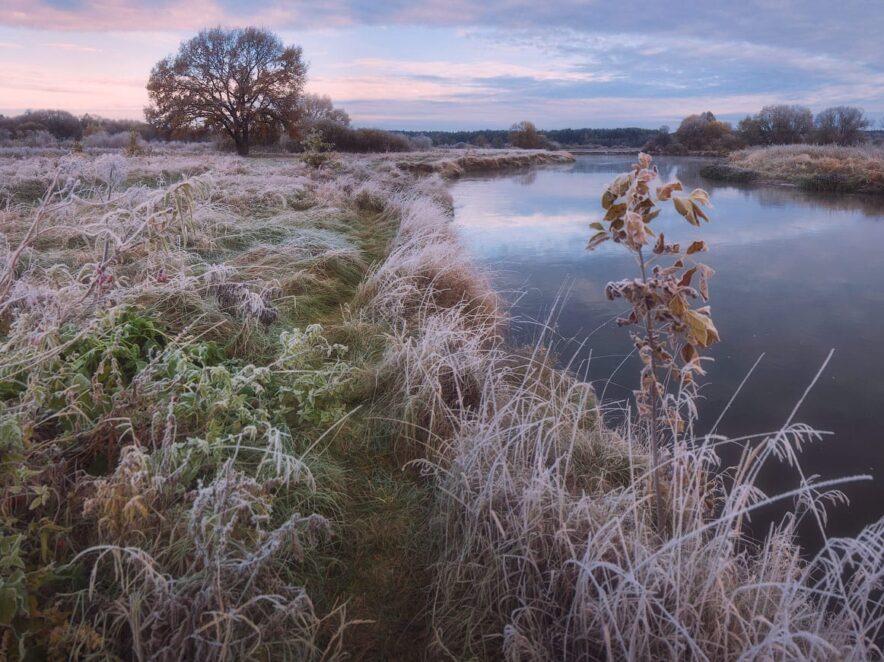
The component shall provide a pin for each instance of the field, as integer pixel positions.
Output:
(811, 167)
(255, 410)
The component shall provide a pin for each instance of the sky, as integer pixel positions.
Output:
(454, 64)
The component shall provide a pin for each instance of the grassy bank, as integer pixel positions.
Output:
(453, 165)
(811, 167)
(251, 410)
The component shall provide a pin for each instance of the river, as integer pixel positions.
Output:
(797, 274)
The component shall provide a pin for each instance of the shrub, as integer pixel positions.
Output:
(345, 139)
(704, 132)
(103, 139)
(316, 150)
(524, 135)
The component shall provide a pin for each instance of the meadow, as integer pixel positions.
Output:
(251, 409)
(836, 168)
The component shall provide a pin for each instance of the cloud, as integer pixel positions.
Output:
(73, 47)
(848, 26)
(571, 62)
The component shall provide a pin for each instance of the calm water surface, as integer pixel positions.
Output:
(796, 275)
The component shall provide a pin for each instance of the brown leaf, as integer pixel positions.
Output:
(705, 273)
(596, 240)
(699, 211)
(660, 246)
(692, 358)
(687, 277)
(608, 199)
(615, 211)
(597, 226)
(620, 185)
(635, 230)
(696, 247)
(665, 192)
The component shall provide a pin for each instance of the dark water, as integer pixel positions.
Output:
(797, 274)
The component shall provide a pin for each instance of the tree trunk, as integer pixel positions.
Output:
(240, 137)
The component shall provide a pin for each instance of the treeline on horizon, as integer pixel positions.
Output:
(620, 137)
(63, 125)
(775, 124)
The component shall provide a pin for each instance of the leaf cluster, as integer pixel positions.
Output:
(662, 301)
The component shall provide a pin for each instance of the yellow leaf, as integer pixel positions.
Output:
(701, 330)
(684, 207)
(678, 305)
(701, 196)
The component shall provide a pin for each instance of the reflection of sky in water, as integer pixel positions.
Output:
(797, 274)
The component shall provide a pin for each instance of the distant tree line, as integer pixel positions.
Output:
(772, 125)
(521, 132)
(62, 125)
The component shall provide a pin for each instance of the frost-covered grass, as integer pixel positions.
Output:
(252, 410)
(545, 545)
(451, 164)
(171, 382)
(817, 167)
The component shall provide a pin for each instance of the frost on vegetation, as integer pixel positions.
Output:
(111, 170)
(549, 546)
(190, 474)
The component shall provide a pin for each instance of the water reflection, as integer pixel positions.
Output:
(797, 274)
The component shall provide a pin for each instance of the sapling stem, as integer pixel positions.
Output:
(655, 442)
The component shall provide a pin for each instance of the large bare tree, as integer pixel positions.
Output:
(234, 81)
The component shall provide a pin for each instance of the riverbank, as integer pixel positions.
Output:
(810, 167)
(450, 166)
(252, 410)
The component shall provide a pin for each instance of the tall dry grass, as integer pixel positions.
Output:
(545, 542)
(219, 501)
(818, 167)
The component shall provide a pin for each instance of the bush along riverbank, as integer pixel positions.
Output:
(251, 409)
(811, 167)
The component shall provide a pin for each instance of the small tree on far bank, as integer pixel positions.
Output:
(705, 132)
(842, 125)
(779, 124)
(525, 135)
(238, 82)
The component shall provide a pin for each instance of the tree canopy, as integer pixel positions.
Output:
(242, 82)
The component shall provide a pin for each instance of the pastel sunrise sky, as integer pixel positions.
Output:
(447, 64)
